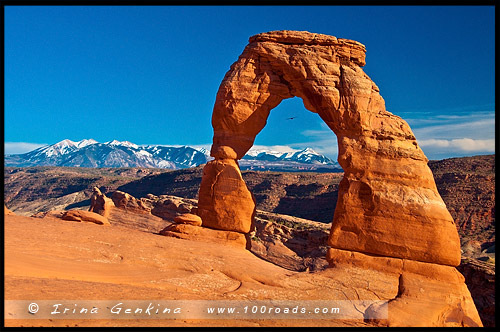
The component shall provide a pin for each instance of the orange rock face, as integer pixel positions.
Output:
(225, 202)
(428, 294)
(388, 203)
(389, 216)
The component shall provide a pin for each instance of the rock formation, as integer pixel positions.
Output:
(189, 219)
(49, 214)
(225, 202)
(428, 294)
(128, 202)
(168, 207)
(80, 215)
(195, 233)
(100, 204)
(388, 202)
(389, 215)
(182, 212)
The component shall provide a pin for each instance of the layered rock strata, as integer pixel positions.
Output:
(428, 294)
(189, 219)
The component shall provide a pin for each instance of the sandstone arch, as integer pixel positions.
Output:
(388, 203)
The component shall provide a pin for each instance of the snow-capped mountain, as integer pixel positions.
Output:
(307, 155)
(90, 153)
(287, 160)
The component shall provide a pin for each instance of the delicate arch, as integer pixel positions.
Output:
(388, 202)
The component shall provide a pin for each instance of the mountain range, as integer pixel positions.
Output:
(90, 153)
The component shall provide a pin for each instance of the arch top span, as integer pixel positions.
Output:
(388, 202)
(350, 50)
(324, 71)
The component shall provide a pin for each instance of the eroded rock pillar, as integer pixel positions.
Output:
(225, 202)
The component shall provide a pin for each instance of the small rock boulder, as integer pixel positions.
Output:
(80, 215)
(189, 219)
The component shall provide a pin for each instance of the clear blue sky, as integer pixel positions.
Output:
(150, 74)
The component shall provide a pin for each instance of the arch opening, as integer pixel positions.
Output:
(297, 193)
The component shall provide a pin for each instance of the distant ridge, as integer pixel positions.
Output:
(90, 153)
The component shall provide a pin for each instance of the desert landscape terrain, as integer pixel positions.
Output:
(390, 236)
(49, 258)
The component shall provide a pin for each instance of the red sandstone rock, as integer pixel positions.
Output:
(80, 215)
(100, 204)
(190, 232)
(189, 219)
(168, 207)
(388, 203)
(128, 202)
(428, 294)
(389, 216)
(225, 202)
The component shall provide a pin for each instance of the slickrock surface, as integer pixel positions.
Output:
(40, 264)
(420, 285)
(196, 233)
(434, 291)
(300, 245)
